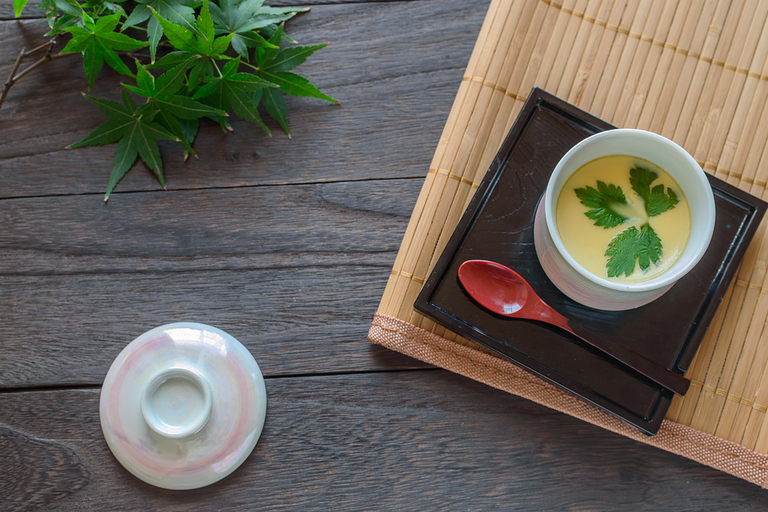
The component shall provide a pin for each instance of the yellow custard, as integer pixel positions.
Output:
(587, 243)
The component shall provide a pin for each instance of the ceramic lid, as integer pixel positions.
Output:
(183, 405)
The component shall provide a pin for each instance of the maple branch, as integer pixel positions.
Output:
(134, 55)
(38, 63)
(45, 46)
(10, 81)
(13, 77)
(48, 47)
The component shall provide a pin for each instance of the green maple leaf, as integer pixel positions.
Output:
(274, 65)
(175, 58)
(52, 15)
(290, 57)
(633, 247)
(61, 14)
(136, 135)
(242, 19)
(180, 12)
(295, 85)
(18, 6)
(200, 65)
(59, 24)
(234, 90)
(98, 43)
(601, 202)
(277, 108)
(655, 199)
(72, 8)
(163, 96)
(199, 38)
(198, 48)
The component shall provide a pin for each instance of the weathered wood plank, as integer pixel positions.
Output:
(7, 12)
(67, 330)
(395, 93)
(61, 472)
(174, 231)
(425, 440)
(321, 150)
(295, 321)
(294, 272)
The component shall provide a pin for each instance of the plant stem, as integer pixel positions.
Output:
(14, 77)
(45, 46)
(10, 81)
(41, 61)
(249, 65)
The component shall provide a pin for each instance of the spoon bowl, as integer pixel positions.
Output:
(494, 287)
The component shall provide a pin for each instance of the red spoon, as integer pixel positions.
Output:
(504, 292)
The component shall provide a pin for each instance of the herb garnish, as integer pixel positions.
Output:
(632, 246)
(602, 202)
(643, 246)
(656, 201)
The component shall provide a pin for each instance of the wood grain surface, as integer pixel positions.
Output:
(427, 440)
(391, 87)
(287, 245)
(293, 272)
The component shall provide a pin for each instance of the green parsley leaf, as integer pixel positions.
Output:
(98, 43)
(633, 247)
(655, 199)
(601, 202)
(134, 131)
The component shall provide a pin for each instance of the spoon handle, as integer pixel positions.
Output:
(654, 371)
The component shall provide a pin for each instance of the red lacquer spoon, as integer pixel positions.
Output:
(503, 291)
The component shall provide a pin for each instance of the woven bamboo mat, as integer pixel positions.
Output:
(695, 71)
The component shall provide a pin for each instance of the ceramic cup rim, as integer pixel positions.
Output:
(701, 192)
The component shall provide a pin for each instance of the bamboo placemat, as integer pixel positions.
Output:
(695, 71)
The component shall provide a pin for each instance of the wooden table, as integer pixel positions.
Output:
(287, 245)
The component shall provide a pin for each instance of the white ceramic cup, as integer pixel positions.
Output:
(597, 292)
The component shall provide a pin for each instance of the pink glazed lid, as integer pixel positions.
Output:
(183, 405)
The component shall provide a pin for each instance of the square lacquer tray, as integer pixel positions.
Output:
(498, 226)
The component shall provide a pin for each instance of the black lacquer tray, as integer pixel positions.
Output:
(498, 226)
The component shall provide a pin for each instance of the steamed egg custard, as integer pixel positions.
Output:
(623, 218)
